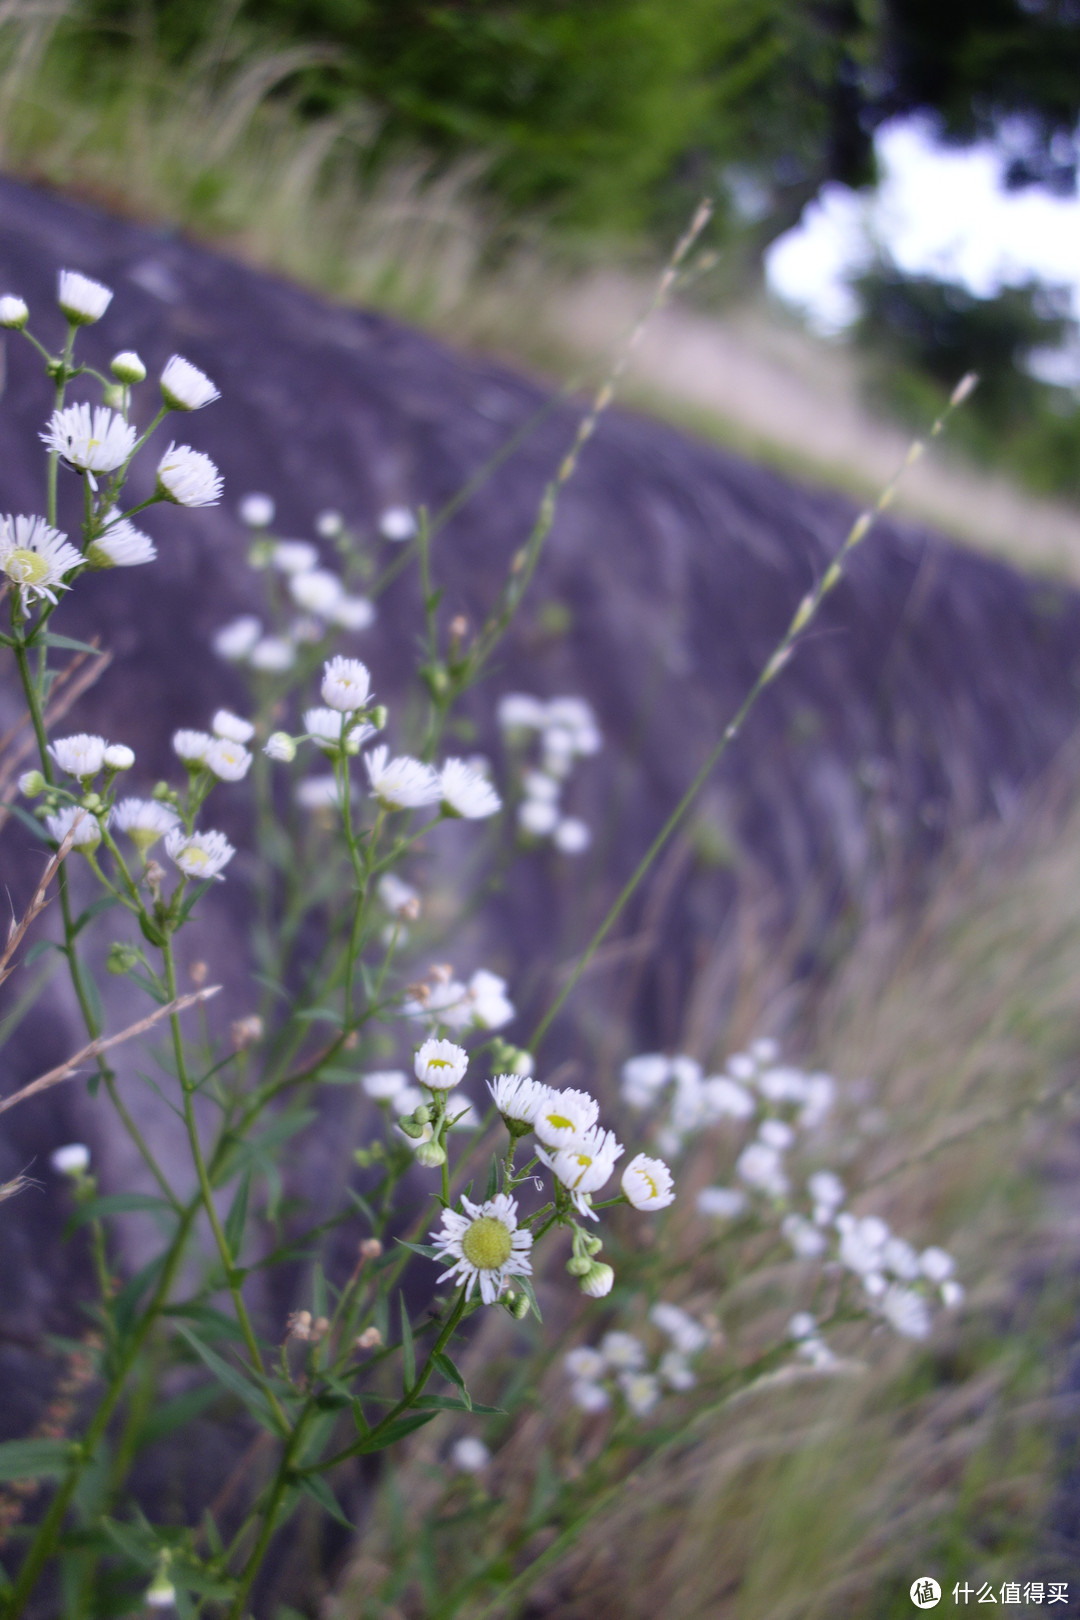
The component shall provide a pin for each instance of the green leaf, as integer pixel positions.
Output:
(233, 1380)
(316, 1487)
(35, 1459)
(450, 1403)
(323, 1015)
(397, 1431)
(31, 824)
(493, 1178)
(68, 644)
(527, 1289)
(127, 1300)
(408, 1349)
(176, 1414)
(38, 948)
(93, 910)
(453, 1374)
(428, 1250)
(216, 1323)
(118, 1204)
(192, 901)
(237, 1216)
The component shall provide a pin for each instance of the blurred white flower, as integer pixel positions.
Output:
(725, 1203)
(188, 478)
(397, 524)
(82, 755)
(72, 1160)
(236, 639)
(571, 836)
(256, 510)
(465, 792)
(272, 655)
(470, 1455)
(316, 590)
(400, 784)
(640, 1390)
(563, 1116)
(907, 1312)
(83, 301)
(382, 1084)
(227, 724)
(346, 684)
(184, 387)
(87, 833)
(623, 1351)
(199, 855)
(294, 556)
(14, 312)
(144, 821)
(647, 1183)
(229, 761)
(440, 1064)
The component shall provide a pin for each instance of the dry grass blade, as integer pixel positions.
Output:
(64, 1071)
(17, 930)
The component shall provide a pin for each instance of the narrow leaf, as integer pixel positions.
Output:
(233, 1380)
(35, 1459)
(237, 1216)
(316, 1487)
(453, 1373)
(397, 1431)
(69, 644)
(408, 1349)
(493, 1178)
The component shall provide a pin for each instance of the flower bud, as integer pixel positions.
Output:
(119, 757)
(431, 1154)
(579, 1266)
(126, 367)
(378, 716)
(411, 1127)
(160, 1594)
(598, 1280)
(279, 745)
(591, 1243)
(13, 312)
(31, 783)
(370, 1249)
(73, 1160)
(112, 395)
(521, 1307)
(370, 1339)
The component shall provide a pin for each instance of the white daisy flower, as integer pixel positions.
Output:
(584, 1362)
(465, 792)
(776, 1133)
(517, 711)
(485, 1244)
(937, 1265)
(900, 1258)
(229, 761)
(32, 784)
(440, 1064)
(294, 556)
(327, 729)
(725, 1203)
(397, 523)
(802, 1325)
(463, 1116)
(906, 1311)
(589, 1397)
(585, 1166)
(352, 613)
(14, 312)
(382, 1084)
(724, 1098)
(563, 1116)
(576, 717)
(399, 897)
(280, 746)
(191, 746)
(763, 1166)
(272, 655)
(72, 1160)
(188, 478)
(87, 833)
(741, 1066)
(537, 817)
(807, 1240)
(469, 1455)
(400, 784)
(120, 545)
(647, 1183)
(227, 724)
(640, 1390)
(783, 1085)
(346, 684)
(623, 1351)
(184, 387)
(488, 1004)
(199, 855)
(316, 590)
(826, 1189)
(518, 1098)
(93, 439)
(407, 1101)
(685, 1331)
(675, 1371)
(119, 757)
(571, 836)
(144, 821)
(329, 524)
(81, 755)
(83, 301)
(539, 785)
(318, 792)
(765, 1050)
(952, 1293)
(257, 510)
(236, 639)
(127, 367)
(644, 1077)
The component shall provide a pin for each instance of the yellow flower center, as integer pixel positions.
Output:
(196, 856)
(486, 1244)
(650, 1182)
(26, 567)
(559, 1122)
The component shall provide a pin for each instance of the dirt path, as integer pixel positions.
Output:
(782, 396)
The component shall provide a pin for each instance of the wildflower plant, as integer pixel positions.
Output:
(522, 1175)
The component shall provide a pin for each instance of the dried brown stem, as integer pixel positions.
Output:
(64, 1071)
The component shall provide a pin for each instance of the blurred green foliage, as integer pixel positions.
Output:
(922, 335)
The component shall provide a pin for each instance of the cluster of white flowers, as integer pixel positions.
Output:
(753, 1087)
(564, 729)
(323, 602)
(99, 442)
(620, 1364)
(346, 720)
(442, 1000)
(220, 750)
